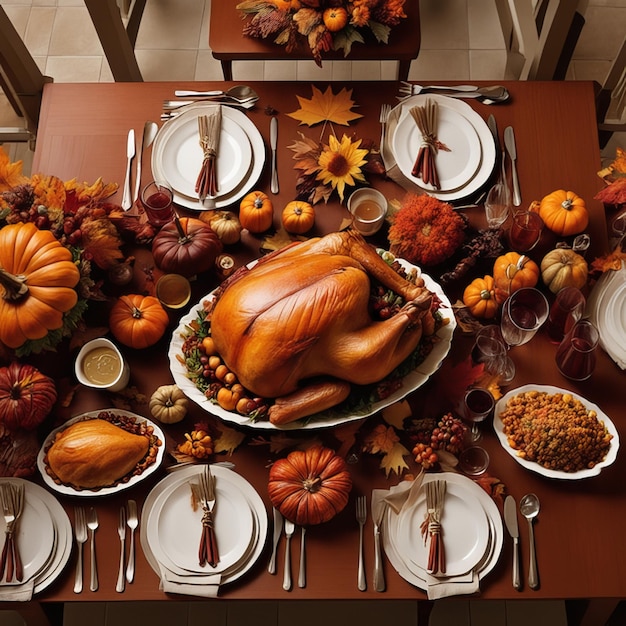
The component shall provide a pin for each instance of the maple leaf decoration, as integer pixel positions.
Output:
(384, 439)
(326, 107)
(228, 441)
(10, 173)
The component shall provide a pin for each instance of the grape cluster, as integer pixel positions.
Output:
(448, 434)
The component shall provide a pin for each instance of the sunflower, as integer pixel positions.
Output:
(340, 163)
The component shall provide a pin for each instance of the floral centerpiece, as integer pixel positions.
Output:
(322, 24)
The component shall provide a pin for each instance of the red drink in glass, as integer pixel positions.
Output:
(576, 354)
(157, 201)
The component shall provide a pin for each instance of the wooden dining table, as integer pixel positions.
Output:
(579, 539)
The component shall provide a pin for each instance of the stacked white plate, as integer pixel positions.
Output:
(177, 156)
(463, 168)
(472, 533)
(171, 528)
(44, 538)
(606, 307)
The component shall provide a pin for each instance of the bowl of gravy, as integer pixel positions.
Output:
(100, 365)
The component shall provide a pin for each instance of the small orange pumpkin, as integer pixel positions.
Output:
(310, 486)
(335, 18)
(298, 217)
(564, 213)
(480, 297)
(256, 212)
(138, 321)
(563, 268)
(512, 271)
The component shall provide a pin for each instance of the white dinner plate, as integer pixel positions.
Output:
(487, 144)
(35, 535)
(455, 166)
(250, 176)
(412, 381)
(539, 469)
(55, 516)
(416, 576)
(465, 530)
(103, 491)
(179, 526)
(184, 475)
(181, 156)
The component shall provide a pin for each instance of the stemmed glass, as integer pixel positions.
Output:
(478, 404)
(523, 312)
(497, 205)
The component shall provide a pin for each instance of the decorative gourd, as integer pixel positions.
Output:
(186, 246)
(225, 224)
(512, 271)
(563, 268)
(298, 217)
(310, 486)
(480, 297)
(335, 18)
(256, 212)
(26, 396)
(168, 404)
(138, 321)
(37, 280)
(564, 213)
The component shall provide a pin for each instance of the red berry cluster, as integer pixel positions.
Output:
(448, 434)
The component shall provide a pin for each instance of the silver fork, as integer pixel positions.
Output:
(92, 524)
(9, 520)
(80, 532)
(121, 531)
(361, 517)
(132, 522)
(385, 111)
(410, 89)
(207, 491)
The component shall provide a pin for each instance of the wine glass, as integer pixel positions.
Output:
(497, 205)
(576, 354)
(523, 312)
(525, 231)
(478, 404)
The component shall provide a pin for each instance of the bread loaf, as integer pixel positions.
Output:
(95, 453)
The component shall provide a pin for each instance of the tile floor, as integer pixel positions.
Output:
(461, 40)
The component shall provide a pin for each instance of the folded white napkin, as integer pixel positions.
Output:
(203, 585)
(17, 593)
(404, 496)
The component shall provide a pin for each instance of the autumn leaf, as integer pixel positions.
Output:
(613, 194)
(393, 461)
(326, 107)
(609, 262)
(10, 173)
(101, 241)
(396, 413)
(381, 439)
(279, 240)
(228, 441)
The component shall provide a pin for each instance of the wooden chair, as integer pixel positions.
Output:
(611, 100)
(21, 81)
(118, 40)
(540, 36)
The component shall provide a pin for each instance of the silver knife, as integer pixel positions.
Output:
(509, 142)
(273, 145)
(493, 127)
(278, 529)
(378, 511)
(127, 200)
(290, 529)
(510, 519)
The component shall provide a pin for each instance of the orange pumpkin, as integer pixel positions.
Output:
(335, 18)
(512, 271)
(564, 213)
(563, 268)
(256, 212)
(37, 280)
(310, 486)
(480, 297)
(298, 217)
(138, 321)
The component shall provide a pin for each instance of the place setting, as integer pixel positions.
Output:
(441, 532)
(205, 138)
(460, 147)
(37, 539)
(202, 527)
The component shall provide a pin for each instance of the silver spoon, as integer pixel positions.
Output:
(150, 130)
(238, 93)
(529, 508)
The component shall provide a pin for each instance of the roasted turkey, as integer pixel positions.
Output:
(296, 327)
